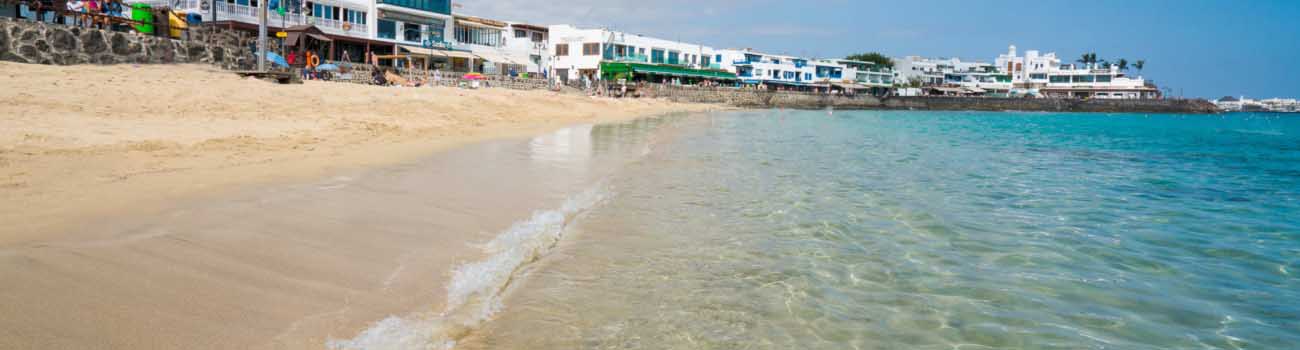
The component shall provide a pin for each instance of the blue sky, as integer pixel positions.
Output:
(1196, 48)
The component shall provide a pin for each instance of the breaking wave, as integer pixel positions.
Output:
(476, 289)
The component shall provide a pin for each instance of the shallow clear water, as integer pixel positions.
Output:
(930, 230)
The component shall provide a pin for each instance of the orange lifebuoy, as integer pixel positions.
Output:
(347, 26)
(312, 60)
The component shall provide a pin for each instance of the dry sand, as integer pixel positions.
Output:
(94, 253)
(80, 142)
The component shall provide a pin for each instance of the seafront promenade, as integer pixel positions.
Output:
(43, 43)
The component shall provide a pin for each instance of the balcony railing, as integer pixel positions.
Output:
(245, 13)
(632, 58)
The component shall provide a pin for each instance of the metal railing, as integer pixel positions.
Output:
(250, 13)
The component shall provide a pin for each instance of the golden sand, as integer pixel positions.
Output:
(72, 137)
(89, 153)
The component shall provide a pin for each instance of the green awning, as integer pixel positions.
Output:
(669, 70)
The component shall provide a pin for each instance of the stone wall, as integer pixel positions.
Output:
(45, 43)
(767, 99)
(1197, 106)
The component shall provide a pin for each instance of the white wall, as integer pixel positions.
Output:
(575, 38)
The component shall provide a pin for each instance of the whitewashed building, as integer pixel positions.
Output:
(499, 47)
(972, 76)
(1045, 75)
(579, 52)
(866, 73)
(755, 68)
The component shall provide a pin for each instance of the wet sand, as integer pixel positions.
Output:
(230, 221)
(296, 266)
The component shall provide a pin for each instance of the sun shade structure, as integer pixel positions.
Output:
(295, 34)
(611, 68)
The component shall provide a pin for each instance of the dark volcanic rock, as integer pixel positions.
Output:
(4, 40)
(92, 42)
(120, 45)
(62, 40)
(27, 36)
(196, 51)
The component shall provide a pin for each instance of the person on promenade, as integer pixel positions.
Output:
(92, 12)
(75, 7)
(114, 10)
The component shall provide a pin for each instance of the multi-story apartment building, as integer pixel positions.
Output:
(799, 73)
(351, 30)
(1045, 75)
(579, 53)
(499, 47)
(866, 73)
(777, 71)
(981, 77)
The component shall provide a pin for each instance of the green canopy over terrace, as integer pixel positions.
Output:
(611, 69)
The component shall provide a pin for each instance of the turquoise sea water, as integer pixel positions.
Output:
(931, 230)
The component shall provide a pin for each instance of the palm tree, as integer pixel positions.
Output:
(1139, 65)
(1123, 64)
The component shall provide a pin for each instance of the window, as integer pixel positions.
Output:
(1060, 79)
(718, 58)
(520, 33)
(561, 49)
(656, 56)
(704, 61)
(479, 36)
(590, 49)
(673, 57)
(641, 51)
(435, 30)
(1103, 78)
(1038, 76)
(387, 29)
(438, 6)
(411, 32)
(336, 13)
(807, 76)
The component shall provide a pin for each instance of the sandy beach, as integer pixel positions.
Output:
(160, 207)
(71, 137)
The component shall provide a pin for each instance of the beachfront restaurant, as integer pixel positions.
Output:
(662, 73)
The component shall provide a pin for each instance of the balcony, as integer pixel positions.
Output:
(631, 58)
(249, 14)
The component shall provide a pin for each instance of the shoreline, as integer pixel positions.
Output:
(172, 253)
(145, 141)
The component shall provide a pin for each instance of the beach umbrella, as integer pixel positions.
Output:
(472, 76)
(328, 67)
(274, 58)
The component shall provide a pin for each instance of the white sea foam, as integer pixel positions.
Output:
(475, 291)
